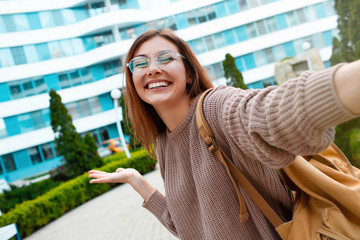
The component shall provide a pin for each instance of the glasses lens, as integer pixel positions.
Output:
(165, 57)
(139, 65)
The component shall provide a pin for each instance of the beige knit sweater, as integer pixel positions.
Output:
(260, 130)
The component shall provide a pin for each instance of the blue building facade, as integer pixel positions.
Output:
(78, 49)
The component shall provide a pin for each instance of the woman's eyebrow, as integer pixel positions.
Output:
(144, 55)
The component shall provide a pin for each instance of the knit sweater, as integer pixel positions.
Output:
(260, 130)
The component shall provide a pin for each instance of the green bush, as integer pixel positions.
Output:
(34, 214)
(17, 195)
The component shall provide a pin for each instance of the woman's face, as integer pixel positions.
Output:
(163, 86)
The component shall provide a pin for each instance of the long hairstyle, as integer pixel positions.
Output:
(145, 121)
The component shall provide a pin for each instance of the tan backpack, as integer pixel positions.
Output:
(325, 188)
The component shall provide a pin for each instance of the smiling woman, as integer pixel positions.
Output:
(260, 129)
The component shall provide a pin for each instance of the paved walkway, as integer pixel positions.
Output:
(116, 214)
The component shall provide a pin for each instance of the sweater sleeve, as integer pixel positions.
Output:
(156, 204)
(277, 123)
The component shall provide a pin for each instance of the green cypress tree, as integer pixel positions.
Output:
(233, 76)
(79, 155)
(346, 48)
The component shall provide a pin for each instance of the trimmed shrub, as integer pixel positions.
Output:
(34, 214)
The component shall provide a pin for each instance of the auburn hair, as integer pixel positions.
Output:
(146, 123)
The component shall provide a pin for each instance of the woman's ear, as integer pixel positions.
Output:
(189, 79)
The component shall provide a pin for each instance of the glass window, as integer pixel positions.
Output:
(170, 23)
(253, 3)
(95, 105)
(68, 16)
(64, 81)
(201, 13)
(38, 119)
(301, 16)
(84, 108)
(2, 28)
(66, 47)
(46, 19)
(108, 69)
(268, 82)
(209, 43)
(73, 110)
(86, 75)
(58, 18)
(46, 116)
(75, 78)
(329, 8)
(9, 162)
(291, 19)
(55, 50)
(9, 23)
(40, 85)
(34, 155)
(77, 45)
(251, 30)
(15, 89)
(191, 17)
(243, 4)
(47, 151)
(279, 52)
(104, 135)
(310, 13)
(28, 87)
(260, 59)
(211, 12)
(269, 55)
(6, 58)
(199, 45)
(25, 122)
(261, 27)
(219, 40)
(271, 24)
(21, 22)
(3, 132)
(319, 40)
(218, 70)
(18, 55)
(31, 54)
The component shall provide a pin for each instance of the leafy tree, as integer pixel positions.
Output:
(80, 154)
(232, 74)
(346, 48)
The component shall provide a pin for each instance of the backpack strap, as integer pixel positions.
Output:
(234, 174)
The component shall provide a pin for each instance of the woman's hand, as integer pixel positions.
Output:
(124, 175)
(121, 175)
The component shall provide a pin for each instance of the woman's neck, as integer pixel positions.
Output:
(173, 115)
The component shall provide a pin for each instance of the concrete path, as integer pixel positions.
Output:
(116, 214)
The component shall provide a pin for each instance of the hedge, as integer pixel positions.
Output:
(31, 215)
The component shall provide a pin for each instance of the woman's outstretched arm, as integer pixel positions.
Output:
(347, 85)
(121, 175)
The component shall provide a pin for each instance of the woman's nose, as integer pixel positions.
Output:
(153, 67)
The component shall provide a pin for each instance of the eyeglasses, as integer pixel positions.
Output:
(140, 65)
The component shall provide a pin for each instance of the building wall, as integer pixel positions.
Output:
(77, 47)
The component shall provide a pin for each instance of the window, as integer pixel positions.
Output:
(261, 27)
(310, 13)
(9, 23)
(243, 4)
(25, 122)
(279, 52)
(253, 3)
(18, 55)
(9, 162)
(271, 24)
(201, 13)
(73, 110)
(34, 155)
(104, 135)
(28, 87)
(260, 58)
(38, 119)
(84, 108)
(291, 19)
(211, 12)
(46, 19)
(47, 151)
(108, 69)
(40, 85)
(64, 81)
(199, 45)
(219, 40)
(95, 105)
(170, 23)
(86, 75)
(58, 18)
(75, 78)
(21, 22)
(269, 55)
(191, 17)
(209, 43)
(55, 49)
(15, 89)
(301, 16)
(251, 30)
(3, 132)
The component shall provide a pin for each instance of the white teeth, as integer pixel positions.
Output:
(157, 84)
